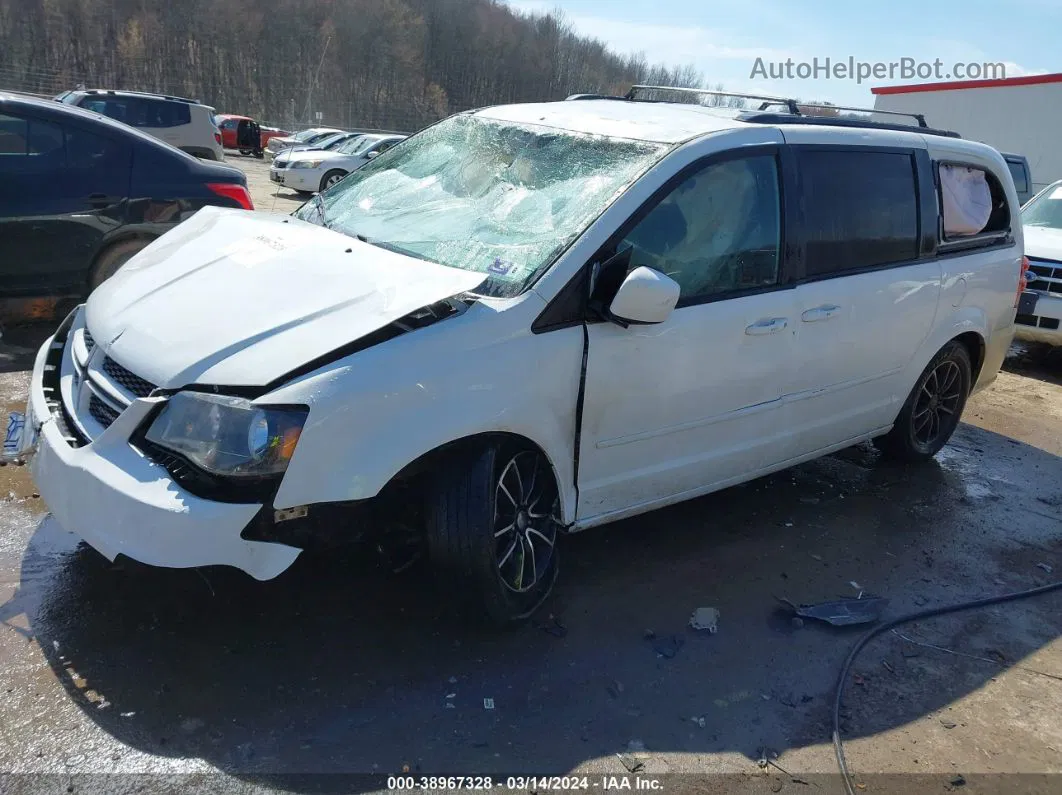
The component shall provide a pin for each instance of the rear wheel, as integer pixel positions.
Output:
(931, 413)
(493, 523)
(245, 152)
(331, 178)
(113, 258)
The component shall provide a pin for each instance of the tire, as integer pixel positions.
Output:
(331, 178)
(112, 258)
(491, 542)
(245, 152)
(932, 411)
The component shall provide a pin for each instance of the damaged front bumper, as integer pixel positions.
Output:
(100, 486)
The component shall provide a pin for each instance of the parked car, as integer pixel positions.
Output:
(184, 123)
(314, 170)
(81, 194)
(1040, 307)
(229, 125)
(327, 144)
(1019, 170)
(312, 135)
(530, 320)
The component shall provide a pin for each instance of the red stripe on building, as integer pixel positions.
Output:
(955, 85)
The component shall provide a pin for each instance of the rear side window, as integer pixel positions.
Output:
(1021, 177)
(973, 204)
(141, 111)
(85, 150)
(860, 209)
(30, 145)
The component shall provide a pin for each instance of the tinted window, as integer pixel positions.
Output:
(88, 150)
(860, 209)
(141, 111)
(1045, 209)
(30, 144)
(718, 231)
(1021, 179)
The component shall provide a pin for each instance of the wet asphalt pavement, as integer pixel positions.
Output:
(337, 666)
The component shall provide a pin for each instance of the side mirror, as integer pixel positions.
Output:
(646, 296)
(371, 155)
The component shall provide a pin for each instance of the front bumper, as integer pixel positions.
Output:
(120, 501)
(1039, 318)
(304, 179)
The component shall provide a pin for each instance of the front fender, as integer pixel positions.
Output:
(379, 410)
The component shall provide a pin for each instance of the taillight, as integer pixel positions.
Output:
(231, 190)
(1022, 281)
(217, 137)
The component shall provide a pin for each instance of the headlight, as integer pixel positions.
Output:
(228, 436)
(306, 163)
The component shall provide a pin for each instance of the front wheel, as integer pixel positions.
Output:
(245, 152)
(331, 178)
(492, 530)
(931, 413)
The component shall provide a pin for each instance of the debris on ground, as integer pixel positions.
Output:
(958, 781)
(817, 557)
(633, 765)
(668, 646)
(705, 618)
(452, 680)
(843, 612)
(948, 724)
(888, 666)
(488, 703)
(699, 720)
(1046, 567)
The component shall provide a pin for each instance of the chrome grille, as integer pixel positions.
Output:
(133, 383)
(1045, 276)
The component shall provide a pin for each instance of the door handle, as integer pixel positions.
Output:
(824, 312)
(769, 325)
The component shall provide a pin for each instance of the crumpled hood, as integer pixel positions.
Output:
(1043, 242)
(238, 298)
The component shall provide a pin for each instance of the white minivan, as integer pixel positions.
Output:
(521, 322)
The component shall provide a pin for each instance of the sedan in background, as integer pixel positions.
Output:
(82, 193)
(313, 170)
(310, 136)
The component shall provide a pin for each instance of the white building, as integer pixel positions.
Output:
(1019, 115)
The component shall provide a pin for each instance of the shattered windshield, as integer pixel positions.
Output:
(486, 196)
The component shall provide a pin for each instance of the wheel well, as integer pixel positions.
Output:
(451, 452)
(975, 346)
(111, 244)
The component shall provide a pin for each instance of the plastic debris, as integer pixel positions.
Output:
(633, 765)
(843, 612)
(1046, 567)
(699, 720)
(488, 703)
(705, 618)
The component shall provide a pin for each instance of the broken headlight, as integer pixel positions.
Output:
(228, 436)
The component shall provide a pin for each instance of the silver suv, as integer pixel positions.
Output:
(184, 123)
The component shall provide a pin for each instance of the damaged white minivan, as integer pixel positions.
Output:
(525, 321)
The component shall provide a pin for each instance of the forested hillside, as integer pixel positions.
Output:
(395, 64)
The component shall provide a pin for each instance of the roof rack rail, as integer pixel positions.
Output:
(767, 100)
(154, 94)
(797, 112)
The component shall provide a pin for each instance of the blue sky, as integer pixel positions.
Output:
(723, 38)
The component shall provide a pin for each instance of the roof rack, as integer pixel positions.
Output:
(767, 100)
(115, 91)
(796, 112)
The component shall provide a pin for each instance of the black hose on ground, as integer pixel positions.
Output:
(863, 641)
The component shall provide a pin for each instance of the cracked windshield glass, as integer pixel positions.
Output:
(483, 195)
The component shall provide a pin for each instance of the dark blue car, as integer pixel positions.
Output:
(80, 194)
